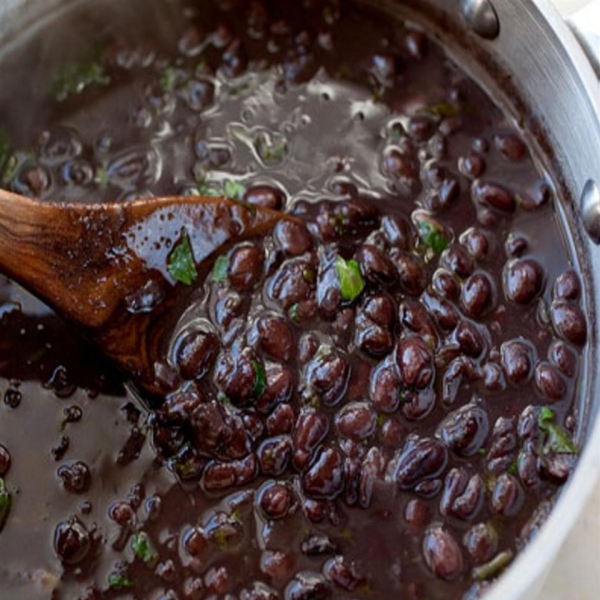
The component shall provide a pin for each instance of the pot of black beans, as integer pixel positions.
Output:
(389, 394)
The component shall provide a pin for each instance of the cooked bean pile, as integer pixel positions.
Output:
(374, 401)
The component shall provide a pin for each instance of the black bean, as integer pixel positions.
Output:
(510, 146)
(493, 195)
(375, 266)
(324, 479)
(457, 260)
(327, 374)
(567, 286)
(517, 361)
(422, 127)
(217, 581)
(481, 542)
(196, 352)
(470, 339)
(465, 430)
(275, 338)
(267, 196)
(293, 237)
(277, 565)
(420, 459)
(569, 322)
(5, 460)
(410, 270)
(556, 468)
(281, 420)
(564, 358)
(493, 377)
(523, 280)
(275, 500)
(442, 554)
(307, 586)
(507, 497)
(445, 285)
(274, 455)
(293, 283)
(398, 232)
(472, 166)
(415, 363)
(245, 267)
(444, 312)
(549, 382)
(385, 389)
(344, 575)
(220, 476)
(195, 542)
(259, 591)
(477, 295)
(72, 542)
(417, 405)
(356, 421)
(76, 477)
(311, 428)
(459, 370)
(415, 316)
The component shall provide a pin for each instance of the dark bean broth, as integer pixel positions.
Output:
(375, 401)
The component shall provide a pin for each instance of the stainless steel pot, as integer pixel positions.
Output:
(525, 53)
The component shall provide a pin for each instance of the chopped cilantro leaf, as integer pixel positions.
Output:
(234, 190)
(118, 581)
(76, 77)
(514, 467)
(351, 281)
(220, 540)
(493, 567)
(181, 265)
(102, 178)
(271, 148)
(223, 398)
(221, 269)
(7, 160)
(294, 314)
(168, 80)
(260, 380)
(431, 234)
(5, 503)
(142, 548)
(556, 439)
(441, 110)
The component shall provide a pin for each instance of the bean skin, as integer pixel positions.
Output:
(507, 497)
(274, 455)
(494, 196)
(307, 586)
(567, 286)
(465, 430)
(523, 280)
(481, 542)
(385, 389)
(420, 459)
(569, 322)
(477, 295)
(324, 479)
(328, 374)
(375, 266)
(245, 267)
(311, 428)
(442, 554)
(415, 363)
(275, 338)
(265, 196)
(517, 361)
(564, 358)
(549, 382)
(356, 421)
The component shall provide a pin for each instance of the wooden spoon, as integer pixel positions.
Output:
(105, 267)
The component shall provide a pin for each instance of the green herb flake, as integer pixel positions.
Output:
(221, 269)
(271, 148)
(181, 265)
(118, 581)
(432, 236)
(76, 77)
(142, 548)
(514, 467)
(223, 398)
(207, 189)
(351, 281)
(294, 314)
(5, 503)
(220, 540)
(101, 177)
(8, 161)
(234, 190)
(381, 420)
(557, 440)
(260, 378)
(168, 80)
(441, 110)
(493, 567)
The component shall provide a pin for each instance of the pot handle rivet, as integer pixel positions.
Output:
(482, 18)
(590, 210)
